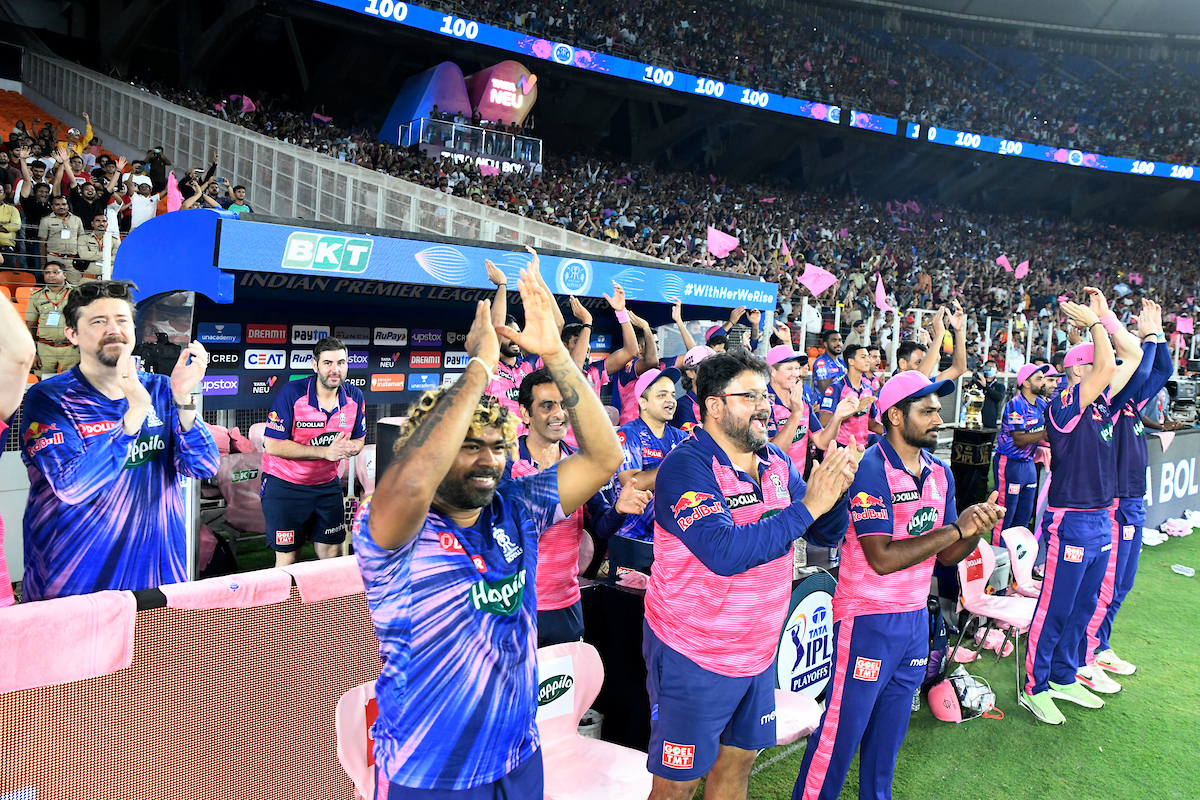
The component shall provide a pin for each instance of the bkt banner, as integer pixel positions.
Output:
(263, 247)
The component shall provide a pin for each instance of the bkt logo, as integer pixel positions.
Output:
(265, 359)
(426, 337)
(396, 336)
(423, 381)
(456, 359)
(301, 359)
(309, 334)
(219, 384)
(326, 252)
(425, 360)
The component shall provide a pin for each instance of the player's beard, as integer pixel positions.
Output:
(106, 359)
(459, 494)
(326, 384)
(915, 438)
(744, 435)
(510, 350)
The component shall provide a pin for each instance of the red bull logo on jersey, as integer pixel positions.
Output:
(693, 506)
(865, 506)
(275, 422)
(42, 436)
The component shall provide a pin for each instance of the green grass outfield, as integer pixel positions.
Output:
(1145, 743)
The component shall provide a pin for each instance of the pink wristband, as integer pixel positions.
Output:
(622, 317)
(1111, 323)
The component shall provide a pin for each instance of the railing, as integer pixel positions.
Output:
(473, 138)
(285, 180)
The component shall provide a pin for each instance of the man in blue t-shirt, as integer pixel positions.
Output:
(1022, 428)
(449, 555)
(828, 367)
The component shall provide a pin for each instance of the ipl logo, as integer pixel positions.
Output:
(573, 276)
(564, 54)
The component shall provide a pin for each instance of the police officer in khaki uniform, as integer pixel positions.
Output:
(60, 232)
(91, 252)
(45, 321)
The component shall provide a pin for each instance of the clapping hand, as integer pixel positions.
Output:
(633, 500)
(482, 342)
(581, 313)
(677, 311)
(829, 480)
(617, 301)
(494, 274)
(980, 518)
(340, 449)
(1097, 302)
(188, 372)
(540, 335)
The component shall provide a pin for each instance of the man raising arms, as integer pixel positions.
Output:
(449, 557)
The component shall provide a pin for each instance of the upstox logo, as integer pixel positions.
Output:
(502, 597)
(326, 252)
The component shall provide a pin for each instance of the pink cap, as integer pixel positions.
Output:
(1081, 354)
(1024, 372)
(643, 383)
(943, 702)
(693, 357)
(713, 331)
(784, 352)
(904, 385)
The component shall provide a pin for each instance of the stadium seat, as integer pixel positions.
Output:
(22, 298)
(258, 432)
(614, 414)
(796, 716)
(4, 290)
(13, 280)
(1022, 552)
(1014, 614)
(355, 714)
(569, 678)
(239, 477)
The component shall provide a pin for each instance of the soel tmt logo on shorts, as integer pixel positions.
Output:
(678, 756)
(866, 669)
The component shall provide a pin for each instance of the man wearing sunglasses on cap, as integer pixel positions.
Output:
(106, 445)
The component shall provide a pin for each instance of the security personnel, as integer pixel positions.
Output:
(60, 231)
(91, 251)
(1022, 427)
(44, 318)
(902, 517)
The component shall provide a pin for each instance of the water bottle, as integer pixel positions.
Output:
(1180, 569)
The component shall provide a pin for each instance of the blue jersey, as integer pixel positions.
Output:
(1132, 454)
(105, 508)
(643, 450)
(455, 612)
(1020, 416)
(1083, 457)
(687, 412)
(828, 368)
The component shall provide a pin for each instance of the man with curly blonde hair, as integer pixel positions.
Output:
(449, 552)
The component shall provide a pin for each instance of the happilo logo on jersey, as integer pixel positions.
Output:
(922, 522)
(502, 597)
(692, 506)
(326, 252)
(143, 451)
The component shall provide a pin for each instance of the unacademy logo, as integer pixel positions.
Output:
(502, 597)
(144, 450)
(326, 252)
(551, 689)
(922, 522)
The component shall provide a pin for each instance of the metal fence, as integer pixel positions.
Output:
(285, 180)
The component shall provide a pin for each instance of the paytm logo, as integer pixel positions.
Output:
(219, 384)
(422, 381)
(326, 252)
(309, 334)
(456, 359)
(301, 359)
(396, 336)
(357, 359)
(219, 333)
(265, 359)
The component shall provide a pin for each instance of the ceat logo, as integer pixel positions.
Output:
(678, 756)
(866, 669)
(265, 359)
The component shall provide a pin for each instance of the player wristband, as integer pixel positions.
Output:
(1094, 324)
(186, 406)
(1111, 323)
(486, 368)
(960, 533)
(622, 317)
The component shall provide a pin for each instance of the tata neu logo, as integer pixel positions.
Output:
(326, 252)
(266, 334)
(263, 387)
(392, 382)
(425, 360)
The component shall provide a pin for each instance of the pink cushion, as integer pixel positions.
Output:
(221, 436)
(239, 443)
(796, 716)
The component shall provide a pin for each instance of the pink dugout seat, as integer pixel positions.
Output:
(1022, 552)
(569, 678)
(239, 477)
(258, 432)
(796, 716)
(364, 470)
(1014, 614)
(355, 714)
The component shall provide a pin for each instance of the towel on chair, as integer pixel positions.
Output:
(65, 639)
(243, 590)
(326, 579)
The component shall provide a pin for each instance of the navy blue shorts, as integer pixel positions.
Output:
(561, 625)
(296, 513)
(694, 711)
(523, 783)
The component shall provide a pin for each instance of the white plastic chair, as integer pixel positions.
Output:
(1022, 552)
(1016, 613)
(355, 714)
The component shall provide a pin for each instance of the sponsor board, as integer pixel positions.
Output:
(301, 359)
(359, 381)
(224, 358)
(391, 336)
(426, 337)
(449, 378)
(326, 252)
(266, 359)
(390, 382)
(425, 359)
(263, 386)
(309, 334)
(219, 384)
(218, 333)
(805, 657)
(266, 334)
(349, 334)
(423, 381)
(456, 359)
(358, 359)
(455, 337)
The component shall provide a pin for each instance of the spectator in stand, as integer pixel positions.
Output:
(59, 232)
(89, 264)
(45, 319)
(17, 355)
(106, 445)
(156, 166)
(144, 204)
(10, 226)
(75, 140)
(236, 201)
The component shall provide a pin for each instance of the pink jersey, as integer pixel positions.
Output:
(857, 425)
(728, 624)
(506, 384)
(626, 384)
(797, 450)
(297, 415)
(887, 500)
(558, 546)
